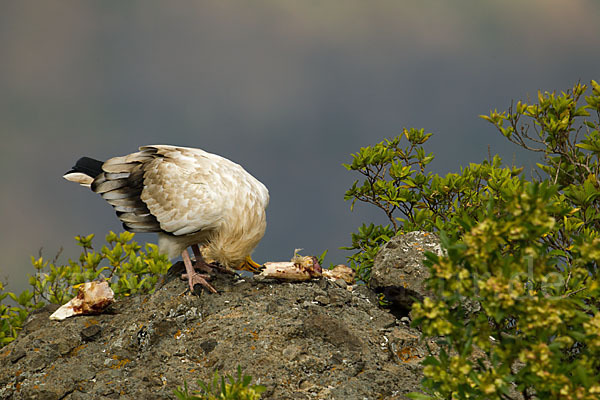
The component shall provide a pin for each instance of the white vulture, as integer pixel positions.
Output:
(190, 197)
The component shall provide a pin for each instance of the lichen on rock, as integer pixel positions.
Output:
(398, 270)
(307, 340)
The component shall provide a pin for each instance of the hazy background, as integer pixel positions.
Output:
(288, 89)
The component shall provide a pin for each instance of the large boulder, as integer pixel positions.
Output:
(308, 340)
(398, 271)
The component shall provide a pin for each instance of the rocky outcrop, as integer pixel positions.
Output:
(398, 271)
(308, 340)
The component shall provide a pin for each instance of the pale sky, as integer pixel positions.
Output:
(288, 89)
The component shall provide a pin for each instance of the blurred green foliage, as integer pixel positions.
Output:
(526, 249)
(221, 389)
(122, 262)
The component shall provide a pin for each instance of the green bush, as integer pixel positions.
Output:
(218, 389)
(395, 180)
(536, 332)
(527, 249)
(122, 262)
(531, 260)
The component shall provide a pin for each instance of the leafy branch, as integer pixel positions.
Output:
(122, 262)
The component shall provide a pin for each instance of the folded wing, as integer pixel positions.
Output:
(164, 189)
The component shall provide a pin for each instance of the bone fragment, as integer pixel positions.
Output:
(340, 271)
(300, 268)
(93, 297)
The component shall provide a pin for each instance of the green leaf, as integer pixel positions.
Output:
(419, 396)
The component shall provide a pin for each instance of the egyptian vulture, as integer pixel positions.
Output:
(190, 197)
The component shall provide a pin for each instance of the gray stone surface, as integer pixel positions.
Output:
(310, 340)
(398, 269)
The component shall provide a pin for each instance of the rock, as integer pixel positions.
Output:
(398, 271)
(16, 355)
(305, 340)
(90, 333)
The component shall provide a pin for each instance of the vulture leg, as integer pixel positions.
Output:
(206, 267)
(200, 264)
(192, 276)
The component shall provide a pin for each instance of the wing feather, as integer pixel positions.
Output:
(184, 189)
(176, 190)
(121, 184)
(103, 186)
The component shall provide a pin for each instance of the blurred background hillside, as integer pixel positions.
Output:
(288, 89)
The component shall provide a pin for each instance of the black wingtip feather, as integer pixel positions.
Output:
(88, 166)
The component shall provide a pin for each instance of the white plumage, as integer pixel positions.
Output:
(190, 197)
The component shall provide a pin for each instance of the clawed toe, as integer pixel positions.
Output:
(199, 279)
(202, 266)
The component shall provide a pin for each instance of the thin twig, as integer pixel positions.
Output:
(557, 171)
(574, 292)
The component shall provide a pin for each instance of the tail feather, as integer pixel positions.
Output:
(84, 171)
(120, 181)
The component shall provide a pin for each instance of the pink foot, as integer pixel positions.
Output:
(194, 277)
(200, 279)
